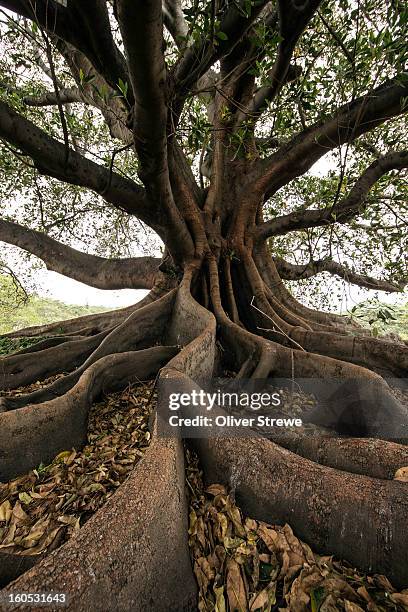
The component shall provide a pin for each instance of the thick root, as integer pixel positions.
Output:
(86, 325)
(141, 329)
(351, 516)
(366, 456)
(45, 430)
(381, 356)
(47, 343)
(22, 369)
(140, 530)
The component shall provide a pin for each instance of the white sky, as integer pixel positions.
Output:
(58, 287)
(53, 285)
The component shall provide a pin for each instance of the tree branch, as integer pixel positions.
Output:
(201, 56)
(85, 25)
(290, 271)
(91, 88)
(293, 20)
(174, 20)
(344, 210)
(130, 273)
(141, 24)
(351, 121)
(49, 98)
(49, 156)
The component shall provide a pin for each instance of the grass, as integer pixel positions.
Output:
(14, 314)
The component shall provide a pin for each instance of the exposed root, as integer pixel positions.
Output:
(319, 321)
(86, 325)
(53, 426)
(47, 343)
(378, 355)
(242, 562)
(354, 517)
(46, 507)
(21, 369)
(143, 526)
(366, 456)
(350, 515)
(140, 330)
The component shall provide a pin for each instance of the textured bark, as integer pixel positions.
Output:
(99, 272)
(123, 569)
(61, 423)
(217, 304)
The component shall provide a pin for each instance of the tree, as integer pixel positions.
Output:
(202, 121)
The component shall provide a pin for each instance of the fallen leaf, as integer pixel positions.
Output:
(265, 599)
(6, 511)
(401, 474)
(235, 588)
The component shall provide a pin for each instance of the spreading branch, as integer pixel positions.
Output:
(199, 58)
(99, 272)
(141, 25)
(175, 21)
(290, 271)
(67, 95)
(351, 121)
(293, 20)
(49, 156)
(345, 209)
(91, 86)
(85, 25)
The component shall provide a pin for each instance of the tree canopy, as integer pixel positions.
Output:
(74, 84)
(260, 144)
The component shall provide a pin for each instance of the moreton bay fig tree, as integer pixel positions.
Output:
(262, 143)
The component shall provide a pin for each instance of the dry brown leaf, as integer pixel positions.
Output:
(349, 606)
(400, 598)
(206, 568)
(401, 474)
(329, 604)
(269, 536)
(236, 594)
(362, 591)
(216, 489)
(219, 599)
(6, 511)
(265, 599)
(340, 588)
(384, 583)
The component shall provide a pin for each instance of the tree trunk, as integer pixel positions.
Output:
(228, 312)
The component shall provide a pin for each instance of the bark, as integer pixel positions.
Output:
(86, 28)
(141, 329)
(62, 422)
(342, 211)
(127, 577)
(351, 121)
(290, 271)
(333, 492)
(229, 311)
(50, 157)
(99, 272)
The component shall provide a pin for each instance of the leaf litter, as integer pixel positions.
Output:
(244, 565)
(42, 509)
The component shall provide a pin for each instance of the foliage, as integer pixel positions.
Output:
(348, 49)
(36, 311)
(244, 564)
(382, 318)
(42, 509)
